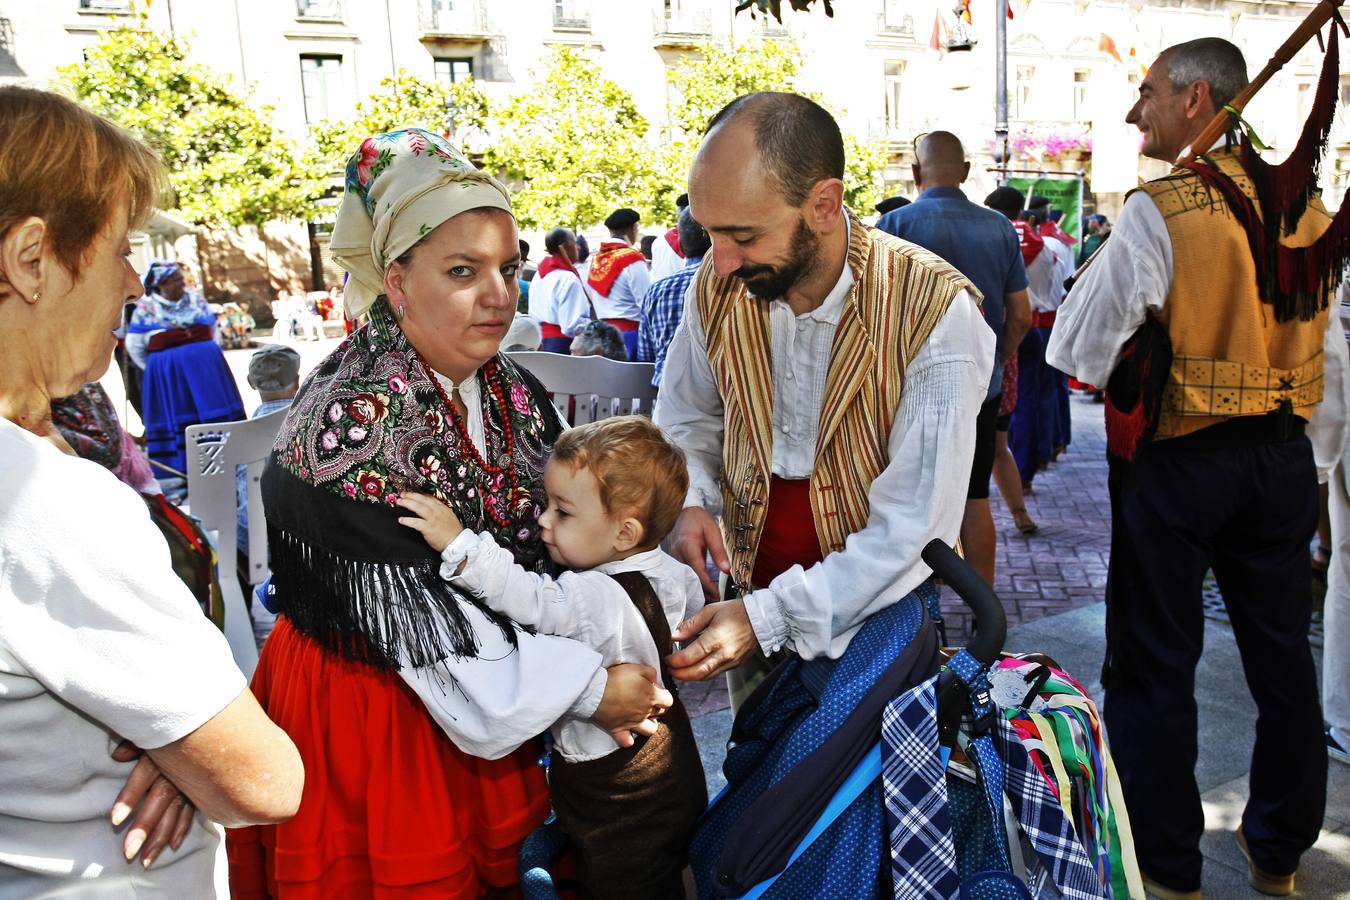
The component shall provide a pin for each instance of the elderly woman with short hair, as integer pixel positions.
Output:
(99, 640)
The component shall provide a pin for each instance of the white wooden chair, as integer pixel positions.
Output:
(214, 450)
(601, 387)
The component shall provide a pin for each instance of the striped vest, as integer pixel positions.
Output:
(900, 293)
(1229, 355)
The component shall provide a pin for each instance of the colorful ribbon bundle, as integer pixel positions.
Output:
(1059, 726)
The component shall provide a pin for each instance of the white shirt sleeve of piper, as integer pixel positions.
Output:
(573, 304)
(1327, 430)
(919, 496)
(689, 407)
(587, 606)
(1131, 275)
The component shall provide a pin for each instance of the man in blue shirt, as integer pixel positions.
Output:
(663, 306)
(983, 246)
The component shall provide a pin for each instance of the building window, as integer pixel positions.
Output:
(572, 15)
(450, 69)
(319, 9)
(321, 79)
(1081, 78)
(1022, 91)
(895, 69)
(893, 19)
(106, 5)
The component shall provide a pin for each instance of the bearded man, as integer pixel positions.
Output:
(829, 377)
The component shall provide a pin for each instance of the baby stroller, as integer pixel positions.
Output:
(875, 776)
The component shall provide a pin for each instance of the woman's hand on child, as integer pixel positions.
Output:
(632, 702)
(437, 523)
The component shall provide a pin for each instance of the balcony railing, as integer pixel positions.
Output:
(105, 6)
(319, 9)
(452, 20)
(571, 20)
(901, 26)
(682, 28)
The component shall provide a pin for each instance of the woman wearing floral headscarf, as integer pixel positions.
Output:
(187, 381)
(409, 702)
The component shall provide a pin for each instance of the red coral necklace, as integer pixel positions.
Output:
(498, 512)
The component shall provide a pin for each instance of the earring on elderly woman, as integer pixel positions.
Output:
(37, 295)
(400, 312)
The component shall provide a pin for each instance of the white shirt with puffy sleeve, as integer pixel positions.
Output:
(99, 640)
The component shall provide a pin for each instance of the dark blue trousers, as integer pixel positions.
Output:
(1247, 512)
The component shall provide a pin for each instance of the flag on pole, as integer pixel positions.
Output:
(938, 41)
(1108, 46)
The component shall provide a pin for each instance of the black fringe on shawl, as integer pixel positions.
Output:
(1294, 281)
(347, 575)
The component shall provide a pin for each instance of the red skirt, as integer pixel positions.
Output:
(391, 808)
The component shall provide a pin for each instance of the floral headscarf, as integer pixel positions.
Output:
(400, 187)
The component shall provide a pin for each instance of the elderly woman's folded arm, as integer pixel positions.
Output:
(238, 769)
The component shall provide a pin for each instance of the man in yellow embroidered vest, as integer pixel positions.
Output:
(829, 377)
(1228, 482)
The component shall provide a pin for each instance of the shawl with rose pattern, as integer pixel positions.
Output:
(367, 424)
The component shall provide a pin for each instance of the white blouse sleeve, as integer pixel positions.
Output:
(586, 606)
(919, 496)
(490, 704)
(689, 407)
(1131, 275)
(1327, 430)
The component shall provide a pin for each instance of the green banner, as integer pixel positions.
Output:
(1062, 194)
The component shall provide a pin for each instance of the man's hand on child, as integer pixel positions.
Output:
(437, 522)
(719, 637)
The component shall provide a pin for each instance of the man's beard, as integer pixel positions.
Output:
(773, 282)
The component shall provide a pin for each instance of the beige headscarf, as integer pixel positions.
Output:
(400, 187)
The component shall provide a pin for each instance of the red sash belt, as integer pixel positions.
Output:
(173, 337)
(1042, 319)
(623, 324)
(789, 534)
(549, 330)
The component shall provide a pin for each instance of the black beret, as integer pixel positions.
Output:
(891, 203)
(682, 201)
(1005, 199)
(622, 218)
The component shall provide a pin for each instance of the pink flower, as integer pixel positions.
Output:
(357, 433)
(335, 412)
(398, 384)
(329, 440)
(349, 489)
(520, 399)
(391, 499)
(368, 153)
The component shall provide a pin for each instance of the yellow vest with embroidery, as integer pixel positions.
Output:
(1229, 355)
(900, 293)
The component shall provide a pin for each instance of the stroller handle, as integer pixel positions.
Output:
(991, 625)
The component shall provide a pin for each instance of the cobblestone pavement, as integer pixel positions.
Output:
(1060, 567)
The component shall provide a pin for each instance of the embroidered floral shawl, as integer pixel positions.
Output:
(368, 424)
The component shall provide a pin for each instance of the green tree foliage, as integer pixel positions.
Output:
(227, 163)
(402, 101)
(573, 147)
(716, 75)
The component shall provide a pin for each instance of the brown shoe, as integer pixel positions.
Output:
(1263, 881)
(1163, 892)
(1024, 522)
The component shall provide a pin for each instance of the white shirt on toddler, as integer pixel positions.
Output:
(587, 606)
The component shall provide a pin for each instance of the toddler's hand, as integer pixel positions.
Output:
(437, 522)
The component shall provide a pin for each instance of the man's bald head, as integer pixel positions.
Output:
(797, 142)
(940, 161)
